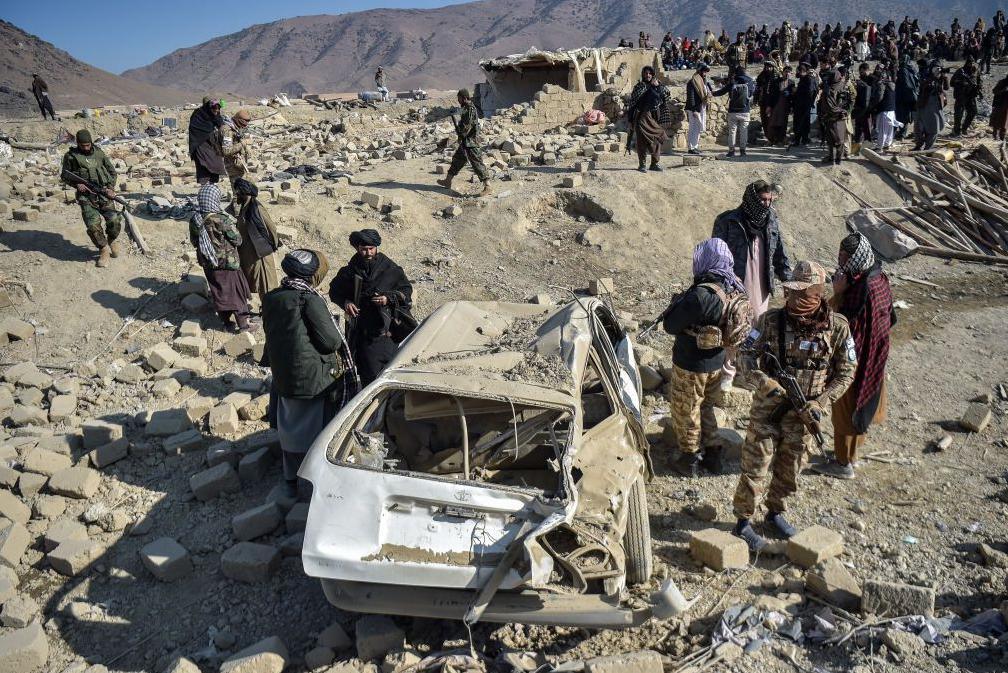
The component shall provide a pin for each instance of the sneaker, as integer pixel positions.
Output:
(694, 152)
(741, 153)
(782, 524)
(642, 169)
(656, 168)
(754, 540)
(713, 460)
(730, 153)
(834, 469)
(688, 464)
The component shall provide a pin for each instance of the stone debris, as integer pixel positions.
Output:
(24, 650)
(334, 637)
(45, 462)
(166, 559)
(256, 522)
(110, 453)
(814, 545)
(888, 599)
(13, 509)
(266, 656)
(63, 530)
(831, 580)
(376, 636)
(18, 611)
(72, 557)
(643, 661)
(719, 549)
(75, 482)
(976, 418)
(214, 481)
(250, 562)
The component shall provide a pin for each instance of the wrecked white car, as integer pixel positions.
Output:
(495, 471)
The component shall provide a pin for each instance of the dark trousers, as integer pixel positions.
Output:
(904, 115)
(862, 127)
(802, 125)
(985, 62)
(372, 355)
(45, 105)
(965, 112)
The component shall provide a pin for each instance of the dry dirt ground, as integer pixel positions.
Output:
(918, 517)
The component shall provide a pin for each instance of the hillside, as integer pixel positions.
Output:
(440, 48)
(72, 83)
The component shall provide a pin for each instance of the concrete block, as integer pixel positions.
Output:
(601, 286)
(75, 482)
(14, 539)
(18, 611)
(814, 545)
(976, 418)
(222, 452)
(13, 509)
(161, 356)
(253, 466)
(166, 559)
(335, 638)
(183, 442)
(62, 407)
(250, 562)
(888, 599)
(25, 215)
(30, 483)
(24, 650)
(194, 303)
(719, 549)
(256, 522)
(255, 410)
(130, 373)
(573, 181)
(168, 422)
(163, 389)
(371, 199)
(267, 656)
(63, 530)
(642, 661)
(212, 482)
(190, 328)
(196, 365)
(72, 557)
(42, 461)
(376, 636)
(113, 452)
(239, 344)
(192, 346)
(297, 518)
(831, 580)
(224, 420)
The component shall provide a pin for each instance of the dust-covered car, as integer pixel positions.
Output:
(496, 470)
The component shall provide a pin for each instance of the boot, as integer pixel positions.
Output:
(753, 540)
(838, 157)
(446, 183)
(688, 464)
(828, 159)
(114, 249)
(486, 191)
(642, 167)
(656, 167)
(103, 257)
(781, 524)
(713, 460)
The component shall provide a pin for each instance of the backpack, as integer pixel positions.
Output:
(736, 320)
(738, 96)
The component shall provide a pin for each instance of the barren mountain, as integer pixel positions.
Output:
(72, 83)
(440, 48)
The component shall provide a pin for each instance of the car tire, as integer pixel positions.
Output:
(637, 540)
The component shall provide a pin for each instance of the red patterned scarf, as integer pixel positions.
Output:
(868, 306)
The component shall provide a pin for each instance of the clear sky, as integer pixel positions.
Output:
(116, 35)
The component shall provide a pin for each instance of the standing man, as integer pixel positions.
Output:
(696, 318)
(837, 105)
(884, 108)
(698, 92)
(235, 149)
(968, 90)
(862, 113)
(41, 91)
(379, 80)
(805, 92)
(930, 119)
(206, 141)
(765, 95)
(101, 217)
(813, 344)
(468, 150)
(752, 232)
(644, 112)
(740, 89)
(736, 54)
(861, 293)
(376, 296)
(907, 88)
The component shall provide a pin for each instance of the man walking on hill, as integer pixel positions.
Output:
(41, 91)
(968, 90)
(698, 92)
(103, 221)
(468, 150)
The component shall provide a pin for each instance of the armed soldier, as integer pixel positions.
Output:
(92, 174)
(801, 359)
(467, 128)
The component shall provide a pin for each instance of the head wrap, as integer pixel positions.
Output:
(365, 237)
(208, 200)
(259, 234)
(714, 257)
(242, 117)
(464, 93)
(755, 211)
(83, 136)
(861, 257)
(307, 266)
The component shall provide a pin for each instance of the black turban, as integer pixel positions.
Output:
(300, 264)
(365, 237)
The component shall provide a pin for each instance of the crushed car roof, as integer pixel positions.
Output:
(524, 351)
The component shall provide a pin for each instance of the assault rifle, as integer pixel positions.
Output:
(795, 398)
(95, 188)
(661, 318)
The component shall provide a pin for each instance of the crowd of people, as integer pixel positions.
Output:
(832, 88)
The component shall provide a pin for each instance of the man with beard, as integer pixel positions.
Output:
(698, 93)
(813, 344)
(862, 113)
(805, 93)
(907, 87)
(467, 129)
(766, 96)
(752, 232)
(206, 141)
(101, 217)
(644, 111)
(930, 119)
(376, 296)
(837, 104)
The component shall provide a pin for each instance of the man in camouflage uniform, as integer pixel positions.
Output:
(813, 343)
(101, 217)
(468, 129)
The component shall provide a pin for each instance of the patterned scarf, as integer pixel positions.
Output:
(755, 211)
(867, 303)
(208, 201)
(861, 258)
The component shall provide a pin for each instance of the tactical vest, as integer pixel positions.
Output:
(92, 167)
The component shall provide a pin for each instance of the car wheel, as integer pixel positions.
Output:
(637, 540)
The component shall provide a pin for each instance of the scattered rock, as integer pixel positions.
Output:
(25, 650)
(166, 559)
(642, 661)
(976, 418)
(719, 549)
(377, 635)
(814, 545)
(250, 562)
(267, 656)
(888, 599)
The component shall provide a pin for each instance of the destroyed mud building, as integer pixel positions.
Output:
(142, 528)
